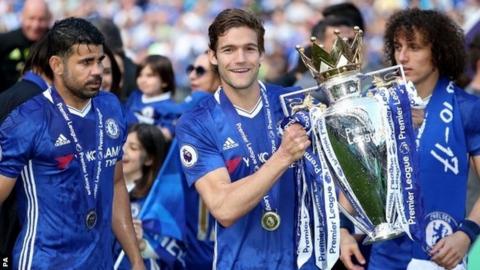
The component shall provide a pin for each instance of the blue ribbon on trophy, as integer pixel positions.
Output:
(364, 140)
(398, 98)
(317, 198)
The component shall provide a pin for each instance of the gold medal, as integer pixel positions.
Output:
(91, 219)
(270, 221)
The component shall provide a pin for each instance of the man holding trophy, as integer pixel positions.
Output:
(232, 153)
(430, 48)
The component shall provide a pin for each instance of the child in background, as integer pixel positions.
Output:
(144, 153)
(153, 103)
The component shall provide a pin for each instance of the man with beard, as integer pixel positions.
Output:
(65, 144)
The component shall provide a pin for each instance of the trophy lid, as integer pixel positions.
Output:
(344, 57)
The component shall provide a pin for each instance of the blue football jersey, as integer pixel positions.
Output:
(51, 192)
(208, 141)
(199, 233)
(199, 223)
(160, 111)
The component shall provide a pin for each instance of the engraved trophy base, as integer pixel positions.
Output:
(383, 232)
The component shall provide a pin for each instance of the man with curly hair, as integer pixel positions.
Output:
(430, 48)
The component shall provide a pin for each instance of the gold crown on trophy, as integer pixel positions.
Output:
(344, 57)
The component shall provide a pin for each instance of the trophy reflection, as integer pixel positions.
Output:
(356, 136)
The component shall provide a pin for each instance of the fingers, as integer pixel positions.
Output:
(137, 226)
(418, 115)
(358, 255)
(438, 246)
(449, 251)
(294, 142)
(346, 258)
(349, 248)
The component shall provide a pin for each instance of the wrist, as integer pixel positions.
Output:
(470, 228)
(346, 223)
(282, 158)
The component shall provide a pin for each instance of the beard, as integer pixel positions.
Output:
(86, 90)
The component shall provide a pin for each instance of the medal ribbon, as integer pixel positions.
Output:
(80, 151)
(268, 201)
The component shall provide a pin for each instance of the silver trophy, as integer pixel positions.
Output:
(354, 134)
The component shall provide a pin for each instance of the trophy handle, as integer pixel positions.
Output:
(355, 222)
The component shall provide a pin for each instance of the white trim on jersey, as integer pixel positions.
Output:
(26, 254)
(252, 113)
(48, 94)
(83, 112)
(258, 107)
(215, 248)
(161, 97)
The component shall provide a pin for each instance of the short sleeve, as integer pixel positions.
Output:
(470, 112)
(198, 151)
(123, 127)
(17, 133)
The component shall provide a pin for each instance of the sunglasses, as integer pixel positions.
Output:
(200, 71)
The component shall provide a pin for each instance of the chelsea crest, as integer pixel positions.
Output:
(112, 129)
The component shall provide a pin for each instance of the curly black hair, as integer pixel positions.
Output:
(444, 35)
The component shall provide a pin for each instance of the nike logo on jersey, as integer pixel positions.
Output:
(61, 140)
(229, 144)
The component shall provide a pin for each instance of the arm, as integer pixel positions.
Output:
(450, 250)
(229, 201)
(122, 220)
(6, 186)
(348, 244)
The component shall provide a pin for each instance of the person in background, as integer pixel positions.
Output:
(324, 32)
(203, 79)
(474, 62)
(113, 40)
(345, 10)
(153, 102)
(430, 47)
(202, 75)
(112, 76)
(144, 153)
(342, 17)
(15, 45)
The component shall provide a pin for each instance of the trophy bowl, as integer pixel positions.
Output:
(355, 143)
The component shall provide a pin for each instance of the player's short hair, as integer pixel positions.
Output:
(437, 29)
(231, 18)
(60, 40)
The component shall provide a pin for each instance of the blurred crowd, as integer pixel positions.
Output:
(156, 54)
(178, 28)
